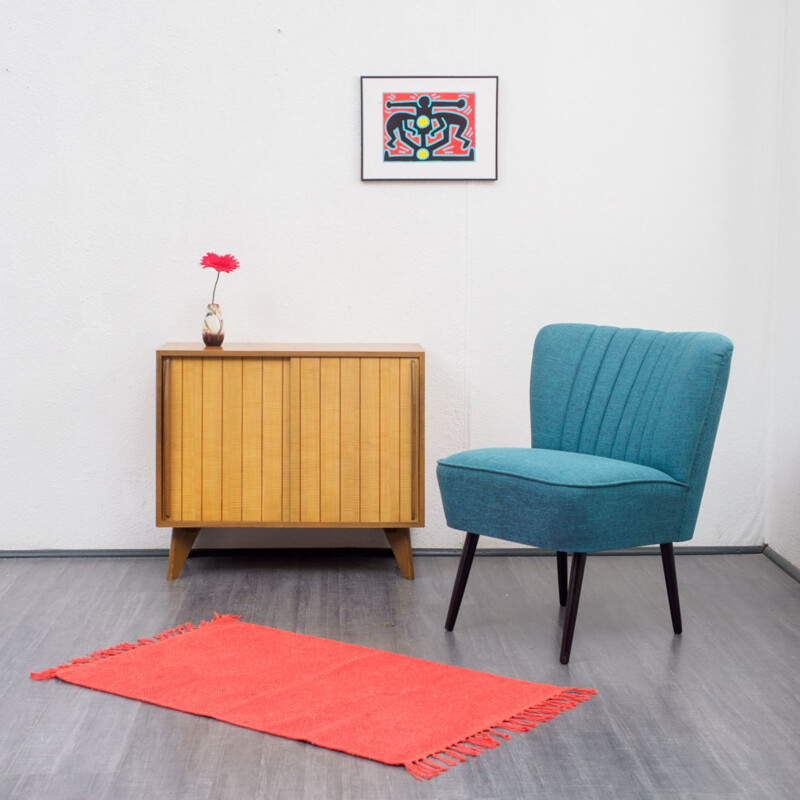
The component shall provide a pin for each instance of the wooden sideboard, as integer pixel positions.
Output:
(290, 436)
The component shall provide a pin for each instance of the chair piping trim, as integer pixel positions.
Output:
(606, 485)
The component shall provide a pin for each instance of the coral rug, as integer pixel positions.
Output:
(369, 703)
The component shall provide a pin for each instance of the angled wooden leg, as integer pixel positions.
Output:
(400, 542)
(573, 598)
(668, 561)
(467, 554)
(561, 565)
(182, 541)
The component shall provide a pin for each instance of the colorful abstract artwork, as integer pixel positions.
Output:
(429, 128)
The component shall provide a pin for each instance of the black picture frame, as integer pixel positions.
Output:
(429, 127)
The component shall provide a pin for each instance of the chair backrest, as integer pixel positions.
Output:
(636, 395)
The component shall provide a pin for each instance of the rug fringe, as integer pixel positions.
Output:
(434, 764)
(123, 647)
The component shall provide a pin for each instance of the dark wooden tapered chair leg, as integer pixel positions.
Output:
(668, 561)
(561, 565)
(573, 598)
(467, 554)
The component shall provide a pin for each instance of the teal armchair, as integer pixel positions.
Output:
(623, 423)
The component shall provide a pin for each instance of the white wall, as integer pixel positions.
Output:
(638, 184)
(783, 524)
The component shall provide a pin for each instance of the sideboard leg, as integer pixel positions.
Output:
(182, 541)
(400, 542)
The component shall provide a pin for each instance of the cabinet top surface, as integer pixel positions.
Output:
(304, 349)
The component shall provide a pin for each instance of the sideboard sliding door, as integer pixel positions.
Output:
(226, 440)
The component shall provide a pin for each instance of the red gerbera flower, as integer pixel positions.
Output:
(226, 263)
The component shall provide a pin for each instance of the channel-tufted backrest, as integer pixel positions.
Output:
(636, 395)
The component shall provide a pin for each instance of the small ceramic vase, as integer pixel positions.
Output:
(213, 329)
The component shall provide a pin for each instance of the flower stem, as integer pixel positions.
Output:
(213, 294)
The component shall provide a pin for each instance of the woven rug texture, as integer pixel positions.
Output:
(378, 705)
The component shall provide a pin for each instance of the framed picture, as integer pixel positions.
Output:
(429, 128)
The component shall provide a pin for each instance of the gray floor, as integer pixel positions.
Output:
(714, 713)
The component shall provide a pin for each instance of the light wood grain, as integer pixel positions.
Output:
(330, 439)
(211, 462)
(400, 542)
(294, 439)
(271, 350)
(309, 439)
(232, 439)
(273, 457)
(174, 437)
(252, 439)
(192, 444)
(370, 439)
(350, 440)
(162, 438)
(390, 439)
(418, 441)
(181, 544)
(288, 453)
(406, 449)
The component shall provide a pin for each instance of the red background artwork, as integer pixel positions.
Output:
(393, 144)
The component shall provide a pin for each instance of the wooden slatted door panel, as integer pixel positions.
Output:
(409, 444)
(275, 439)
(318, 440)
(390, 439)
(212, 458)
(191, 454)
(370, 507)
(350, 440)
(252, 437)
(354, 423)
(172, 438)
(330, 440)
(226, 440)
(309, 439)
(231, 483)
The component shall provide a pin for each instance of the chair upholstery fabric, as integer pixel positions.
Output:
(623, 422)
(550, 498)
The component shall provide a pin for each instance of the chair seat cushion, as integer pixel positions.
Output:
(559, 500)
(557, 467)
